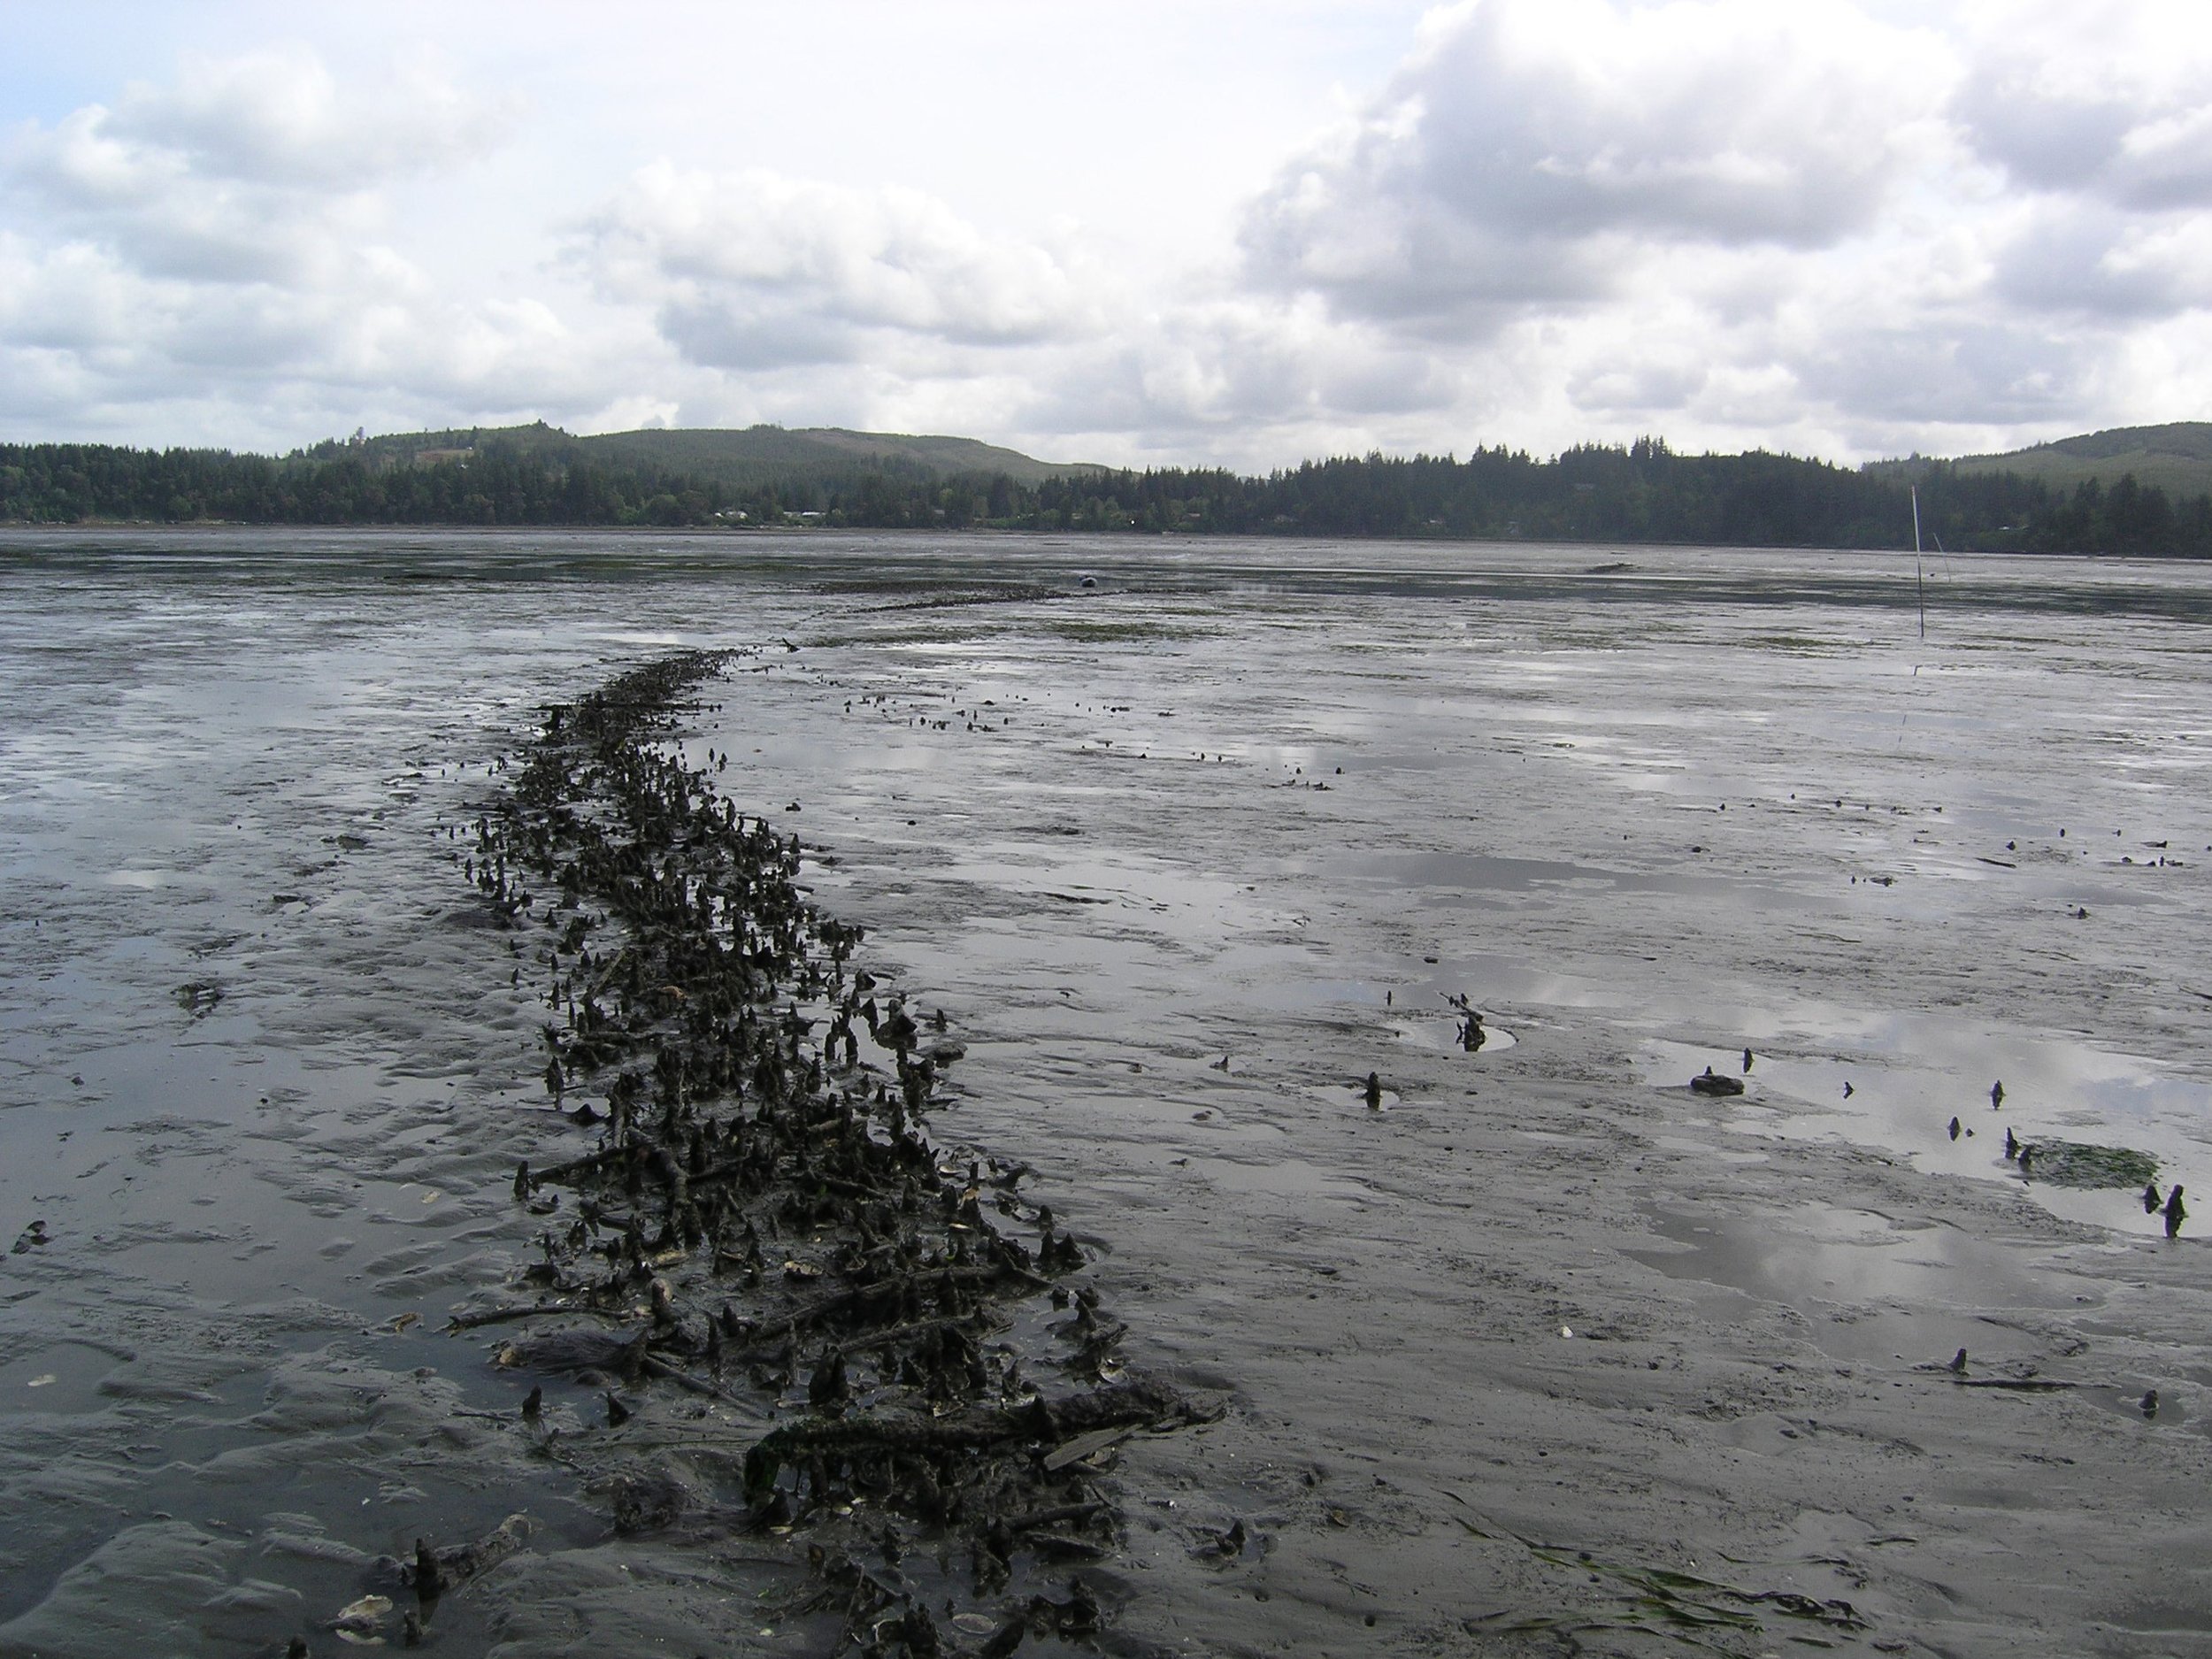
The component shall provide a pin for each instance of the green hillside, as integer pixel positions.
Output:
(737, 457)
(756, 452)
(2176, 457)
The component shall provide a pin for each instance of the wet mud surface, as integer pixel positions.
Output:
(1542, 1349)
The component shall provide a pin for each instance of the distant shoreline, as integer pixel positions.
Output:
(752, 532)
(749, 532)
(1643, 494)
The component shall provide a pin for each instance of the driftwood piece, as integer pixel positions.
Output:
(478, 1320)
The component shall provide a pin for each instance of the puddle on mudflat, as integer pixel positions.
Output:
(1707, 1149)
(1287, 1178)
(1356, 1096)
(1449, 1034)
(2166, 1409)
(62, 1378)
(1455, 879)
(1865, 1288)
(1910, 1076)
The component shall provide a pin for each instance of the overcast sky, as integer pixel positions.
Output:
(1188, 232)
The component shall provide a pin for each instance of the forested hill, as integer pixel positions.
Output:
(742, 458)
(2176, 457)
(1643, 491)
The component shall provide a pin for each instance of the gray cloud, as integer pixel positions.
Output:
(2121, 144)
(1949, 370)
(1640, 388)
(1522, 158)
(721, 334)
(148, 205)
(1236, 378)
(2080, 256)
(2048, 142)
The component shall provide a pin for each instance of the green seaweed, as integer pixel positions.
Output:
(1090, 633)
(1797, 644)
(2074, 1163)
(1678, 1605)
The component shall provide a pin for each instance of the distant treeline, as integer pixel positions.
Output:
(1643, 491)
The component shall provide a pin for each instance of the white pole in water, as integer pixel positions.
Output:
(1919, 584)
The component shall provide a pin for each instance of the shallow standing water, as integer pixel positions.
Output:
(1269, 803)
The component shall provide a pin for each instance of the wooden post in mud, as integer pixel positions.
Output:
(1919, 582)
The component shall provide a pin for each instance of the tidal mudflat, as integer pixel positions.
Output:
(1542, 1348)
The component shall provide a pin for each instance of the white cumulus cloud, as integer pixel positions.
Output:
(751, 270)
(1530, 150)
(227, 240)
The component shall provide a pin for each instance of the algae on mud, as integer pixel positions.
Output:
(765, 1222)
(2076, 1164)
